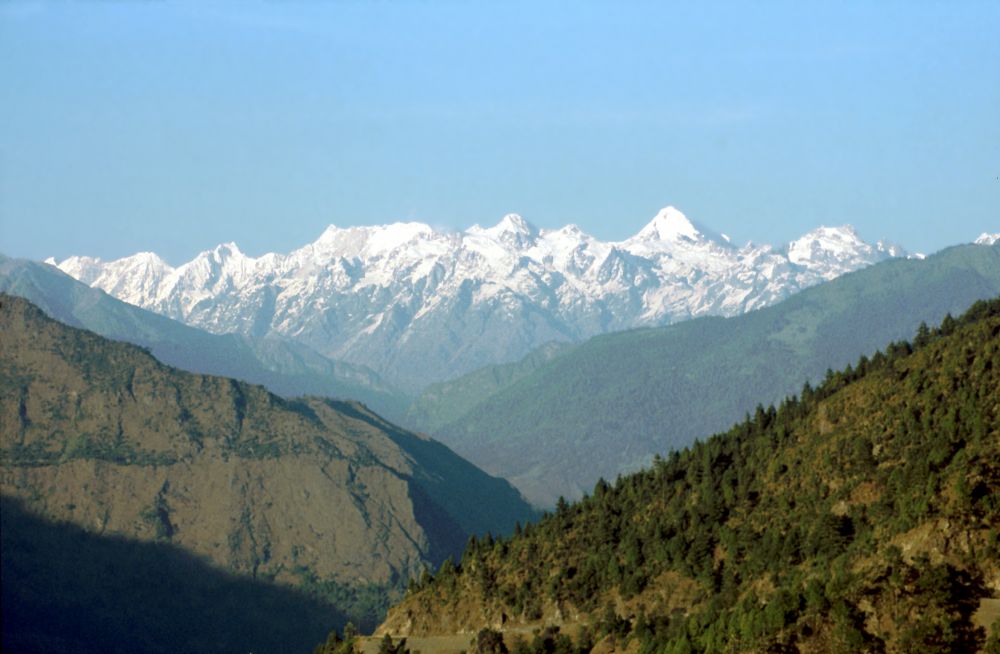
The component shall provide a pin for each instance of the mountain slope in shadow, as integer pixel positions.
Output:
(67, 590)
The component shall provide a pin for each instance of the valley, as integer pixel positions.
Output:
(509, 327)
(99, 435)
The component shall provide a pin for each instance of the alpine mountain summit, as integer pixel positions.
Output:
(420, 305)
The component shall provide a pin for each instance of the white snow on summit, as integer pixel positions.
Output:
(671, 227)
(368, 242)
(420, 305)
(827, 250)
(988, 239)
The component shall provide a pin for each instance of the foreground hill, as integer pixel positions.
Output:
(67, 589)
(861, 517)
(286, 367)
(611, 403)
(313, 493)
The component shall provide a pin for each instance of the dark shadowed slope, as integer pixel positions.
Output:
(314, 493)
(68, 590)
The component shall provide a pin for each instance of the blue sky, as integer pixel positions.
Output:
(174, 126)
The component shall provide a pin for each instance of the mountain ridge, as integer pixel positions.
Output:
(858, 516)
(309, 492)
(419, 306)
(286, 367)
(657, 388)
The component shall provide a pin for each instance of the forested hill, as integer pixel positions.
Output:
(614, 401)
(862, 515)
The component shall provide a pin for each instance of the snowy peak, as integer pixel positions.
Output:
(365, 242)
(669, 229)
(211, 265)
(669, 225)
(512, 230)
(988, 239)
(133, 279)
(226, 251)
(328, 235)
(420, 305)
(513, 223)
(84, 269)
(571, 230)
(143, 263)
(828, 251)
(893, 250)
(825, 241)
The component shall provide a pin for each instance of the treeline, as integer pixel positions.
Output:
(784, 523)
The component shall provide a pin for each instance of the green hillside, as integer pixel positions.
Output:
(445, 402)
(861, 516)
(614, 401)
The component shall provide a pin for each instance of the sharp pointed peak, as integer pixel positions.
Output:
(514, 222)
(230, 248)
(671, 225)
(571, 230)
(512, 229)
(221, 251)
(329, 232)
(146, 258)
(670, 212)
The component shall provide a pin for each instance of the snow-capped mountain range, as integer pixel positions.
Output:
(419, 305)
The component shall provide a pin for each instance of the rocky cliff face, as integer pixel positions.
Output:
(102, 435)
(419, 306)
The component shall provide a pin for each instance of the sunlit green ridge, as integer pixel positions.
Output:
(861, 515)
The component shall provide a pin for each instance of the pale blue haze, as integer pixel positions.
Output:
(128, 126)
